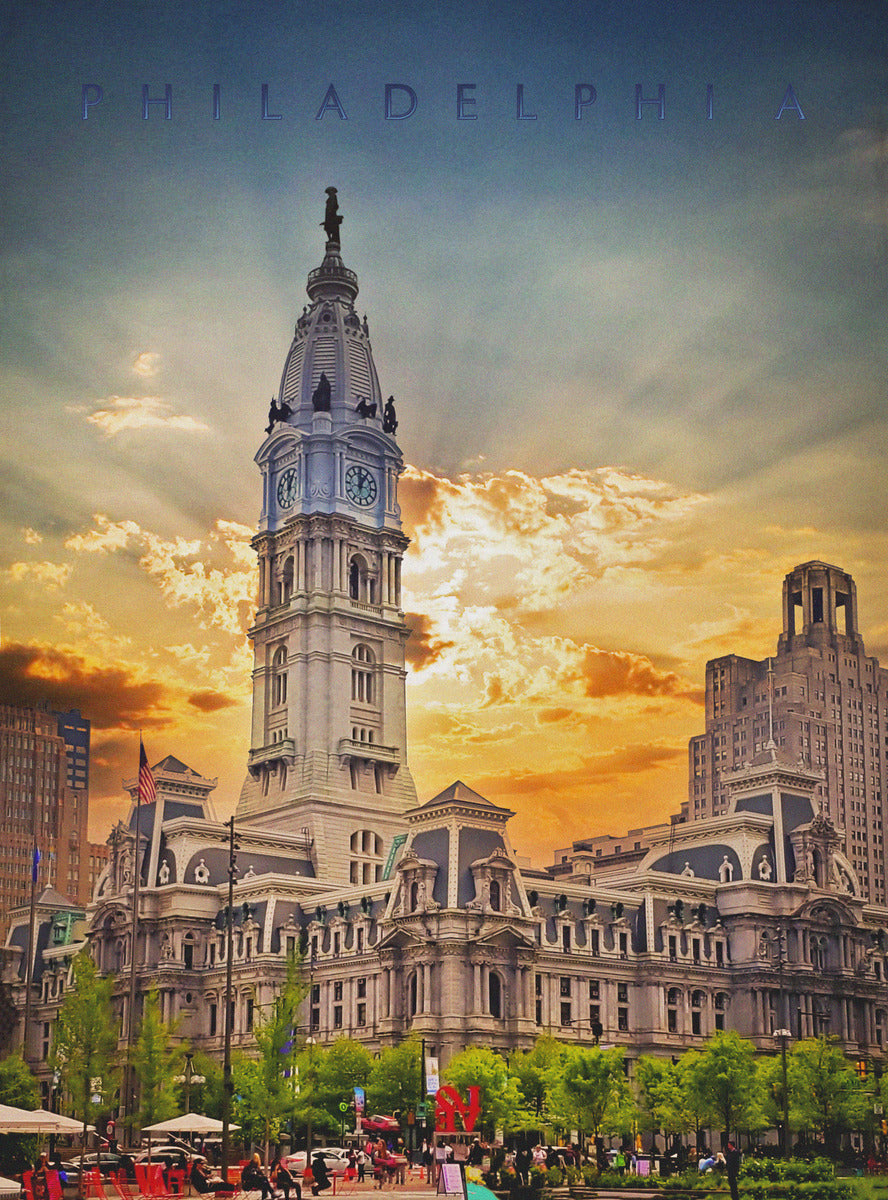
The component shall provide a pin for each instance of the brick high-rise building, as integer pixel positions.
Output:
(822, 700)
(39, 808)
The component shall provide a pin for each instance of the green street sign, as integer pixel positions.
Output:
(343, 1107)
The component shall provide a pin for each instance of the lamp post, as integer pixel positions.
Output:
(775, 944)
(188, 1078)
(227, 1083)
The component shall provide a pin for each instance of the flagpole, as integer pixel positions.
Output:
(29, 974)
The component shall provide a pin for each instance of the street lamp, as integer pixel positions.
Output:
(774, 946)
(190, 1077)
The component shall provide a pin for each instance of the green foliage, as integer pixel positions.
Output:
(825, 1093)
(662, 1095)
(795, 1169)
(255, 1106)
(790, 1190)
(723, 1084)
(269, 1082)
(342, 1067)
(396, 1081)
(86, 1037)
(537, 1071)
(593, 1093)
(156, 1061)
(501, 1100)
(19, 1088)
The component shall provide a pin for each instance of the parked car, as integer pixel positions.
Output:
(171, 1156)
(105, 1161)
(379, 1124)
(334, 1156)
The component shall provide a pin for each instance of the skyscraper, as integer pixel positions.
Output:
(822, 700)
(39, 810)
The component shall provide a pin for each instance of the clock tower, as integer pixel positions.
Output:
(328, 744)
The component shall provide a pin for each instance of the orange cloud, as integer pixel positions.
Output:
(617, 672)
(423, 646)
(112, 697)
(210, 701)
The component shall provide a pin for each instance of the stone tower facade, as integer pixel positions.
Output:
(825, 703)
(328, 751)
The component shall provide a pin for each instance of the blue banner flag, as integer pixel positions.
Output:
(35, 864)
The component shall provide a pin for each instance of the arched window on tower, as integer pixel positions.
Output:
(361, 580)
(286, 583)
(362, 674)
(279, 676)
(495, 895)
(494, 994)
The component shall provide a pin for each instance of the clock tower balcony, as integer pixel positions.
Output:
(283, 751)
(349, 748)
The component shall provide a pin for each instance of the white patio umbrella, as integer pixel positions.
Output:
(9, 1187)
(22, 1120)
(188, 1123)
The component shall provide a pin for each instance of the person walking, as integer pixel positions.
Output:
(732, 1167)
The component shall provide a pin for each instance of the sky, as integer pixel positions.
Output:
(639, 363)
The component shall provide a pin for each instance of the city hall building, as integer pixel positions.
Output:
(754, 910)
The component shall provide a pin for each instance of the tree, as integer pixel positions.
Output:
(593, 1092)
(345, 1065)
(85, 1041)
(277, 1040)
(825, 1093)
(498, 1091)
(18, 1087)
(662, 1099)
(397, 1082)
(724, 1084)
(156, 1061)
(537, 1072)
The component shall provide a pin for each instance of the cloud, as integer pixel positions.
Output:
(424, 647)
(209, 701)
(32, 537)
(113, 697)
(593, 770)
(141, 412)
(146, 364)
(615, 673)
(50, 575)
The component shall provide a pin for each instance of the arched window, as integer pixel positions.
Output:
(188, 951)
(279, 676)
(494, 994)
(673, 999)
(366, 862)
(698, 999)
(286, 585)
(362, 674)
(495, 895)
(414, 896)
(361, 583)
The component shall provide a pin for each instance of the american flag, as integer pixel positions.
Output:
(147, 786)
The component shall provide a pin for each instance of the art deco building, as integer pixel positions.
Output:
(826, 703)
(416, 917)
(40, 808)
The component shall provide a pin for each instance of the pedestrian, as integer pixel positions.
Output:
(361, 1159)
(428, 1161)
(732, 1166)
(320, 1179)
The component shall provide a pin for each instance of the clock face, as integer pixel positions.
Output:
(287, 490)
(360, 486)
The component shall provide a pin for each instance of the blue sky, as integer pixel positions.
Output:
(698, 305)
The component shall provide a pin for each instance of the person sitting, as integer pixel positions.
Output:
(282, 1179)
(203, 1182)
(320, 1179)
(254, 1179)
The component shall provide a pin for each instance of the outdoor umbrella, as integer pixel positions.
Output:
(20, 1120)
(9, 1187)
(188, 1123)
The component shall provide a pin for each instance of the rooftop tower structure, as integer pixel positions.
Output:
(329, 743)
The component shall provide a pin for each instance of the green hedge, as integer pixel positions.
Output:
(796, 1170)
(817, 1189)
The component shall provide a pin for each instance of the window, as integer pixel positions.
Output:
(279, 677)
(361, 1018)
(362, 674)
(495, 895)
(566, 1016)
(623, 1020)
(361, 988)
(337, 1016)
(213, 1019)
(594, 989)
(249, 1013)
(673, 949)
(494, 994)
(622, 993)
(337, 989)
(565, 985)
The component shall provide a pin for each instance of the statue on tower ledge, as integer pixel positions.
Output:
(332, 219)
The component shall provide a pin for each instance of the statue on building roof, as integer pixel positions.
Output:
(320, 397)
(332, 219)
(389, 418)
